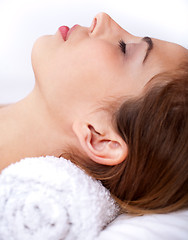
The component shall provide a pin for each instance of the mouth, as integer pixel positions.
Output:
(66, 31)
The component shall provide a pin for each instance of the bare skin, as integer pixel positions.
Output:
(73, 77)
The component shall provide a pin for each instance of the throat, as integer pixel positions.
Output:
(27, 131)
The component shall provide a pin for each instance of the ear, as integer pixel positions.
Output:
(104, 147)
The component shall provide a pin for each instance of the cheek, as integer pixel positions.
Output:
(87, 72)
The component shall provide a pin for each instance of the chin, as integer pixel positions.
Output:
(39, 53)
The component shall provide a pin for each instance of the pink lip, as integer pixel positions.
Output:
(65, 31)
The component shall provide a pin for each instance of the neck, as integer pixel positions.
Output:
(29, 130)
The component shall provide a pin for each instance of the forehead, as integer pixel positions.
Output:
(171, 54)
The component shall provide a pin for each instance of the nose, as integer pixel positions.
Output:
(104, 27)
(103, 21)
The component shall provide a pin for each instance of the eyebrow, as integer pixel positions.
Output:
(150, 46)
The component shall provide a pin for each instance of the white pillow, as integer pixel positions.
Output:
(171, 226)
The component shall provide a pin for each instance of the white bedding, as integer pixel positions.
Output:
(29, 188)
(172, 226)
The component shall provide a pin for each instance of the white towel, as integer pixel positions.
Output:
(50, 198)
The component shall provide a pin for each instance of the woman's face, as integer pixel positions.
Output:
(93, 64)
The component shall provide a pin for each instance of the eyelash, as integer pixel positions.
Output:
(122, 46)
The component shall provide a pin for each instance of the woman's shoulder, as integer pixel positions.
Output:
(3, 105)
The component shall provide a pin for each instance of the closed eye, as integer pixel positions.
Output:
(122, 46)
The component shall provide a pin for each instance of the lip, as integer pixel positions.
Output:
(65, 31)
(71, 30)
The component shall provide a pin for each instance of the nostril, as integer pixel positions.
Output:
(93, 24)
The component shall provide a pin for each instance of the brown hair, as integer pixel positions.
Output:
(154, 176)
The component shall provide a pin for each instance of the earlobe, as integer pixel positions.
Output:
(106, 148)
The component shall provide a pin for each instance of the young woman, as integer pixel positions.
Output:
(113, 103)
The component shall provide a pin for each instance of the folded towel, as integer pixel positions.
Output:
(52, 199)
